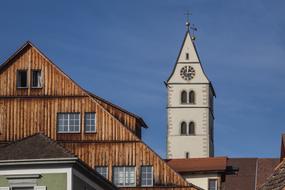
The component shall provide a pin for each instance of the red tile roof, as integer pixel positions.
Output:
(252, 172)
(265, 168)
(198, 164)
(277, 180)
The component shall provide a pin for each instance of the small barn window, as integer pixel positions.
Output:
(36, 79)
(192, 97)
(187, 56)
(191, 129)
(124, 176)
(183, 97)
(22, 78)
(146, 176)
(183, 128)
(68, 122)
(90, 119)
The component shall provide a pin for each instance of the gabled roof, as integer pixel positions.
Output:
(28, 44)
(214, 164)
(39, 149)
(252, 172)
(143, 124)
(26, 156)
(195, 49)
(37, 146)
(277, 180)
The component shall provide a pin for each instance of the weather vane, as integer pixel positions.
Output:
(188, 25)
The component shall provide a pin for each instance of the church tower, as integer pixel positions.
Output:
(190, 110)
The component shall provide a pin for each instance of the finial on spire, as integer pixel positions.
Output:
(188, 25)
(187, 20)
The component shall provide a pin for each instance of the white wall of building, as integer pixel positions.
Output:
(201, 180)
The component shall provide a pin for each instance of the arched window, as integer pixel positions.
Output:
(192, 97)
(183, 97)
(183, 129)
(191, 128)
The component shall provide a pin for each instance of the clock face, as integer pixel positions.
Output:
(187, 72)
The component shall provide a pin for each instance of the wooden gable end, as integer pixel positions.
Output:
(128, 154)
(54, 82)
(22, 117)
(24, 112)
(134, 123)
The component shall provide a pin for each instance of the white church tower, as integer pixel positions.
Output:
(190, 108)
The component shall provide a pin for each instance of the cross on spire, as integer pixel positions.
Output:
(188, 25)
(188, 19)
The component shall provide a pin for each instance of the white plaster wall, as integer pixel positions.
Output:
(201, 95)
(201, 180)
(199, 77)
(200, 116)
(197, 146)
(188, 47)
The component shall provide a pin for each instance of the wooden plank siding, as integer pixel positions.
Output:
(55, 83)
(24, 112)
(22, 117)
(126, 154)
(128, 120)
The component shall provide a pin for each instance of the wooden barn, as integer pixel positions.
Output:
(36, 96)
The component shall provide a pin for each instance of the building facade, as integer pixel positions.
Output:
(38, 163)
(207, 173)
(37, 96)
(190, 109)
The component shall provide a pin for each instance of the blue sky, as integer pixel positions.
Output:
(124, 50)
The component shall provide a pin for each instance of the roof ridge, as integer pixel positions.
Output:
(29, 43)
(117, 106)
(278, 167)
(48, 140)
(20, 140)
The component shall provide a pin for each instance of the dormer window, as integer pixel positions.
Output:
(36, 79)
(22, 79)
